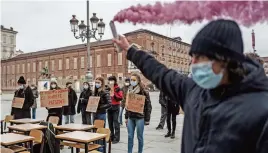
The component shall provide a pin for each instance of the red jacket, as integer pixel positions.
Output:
(118, 95)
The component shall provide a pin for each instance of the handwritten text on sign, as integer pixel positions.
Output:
(93, 103)
(17, 102)
(135, 103)
(54, 98)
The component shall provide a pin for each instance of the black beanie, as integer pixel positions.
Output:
(222, 37)
(21, 80)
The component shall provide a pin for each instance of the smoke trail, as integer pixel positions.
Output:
(246, 13)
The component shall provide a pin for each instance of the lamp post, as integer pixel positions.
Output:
(84, 32)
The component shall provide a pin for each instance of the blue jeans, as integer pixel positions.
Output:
(121, 115)
(131, 125)
(69, 119)
(33, 113)
(100, 117)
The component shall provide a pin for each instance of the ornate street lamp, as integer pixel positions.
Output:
(85, 33)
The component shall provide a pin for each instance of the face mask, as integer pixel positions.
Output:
(203, 75)
(133, 83)
(111, 82)
(97, 85)
(70, 86)
(127, 84)
(32, 88)
(85, 86)
(21, 87)
(53, 86)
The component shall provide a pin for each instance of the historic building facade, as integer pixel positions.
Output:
(265, 65)
(8, 43)
(70, 63)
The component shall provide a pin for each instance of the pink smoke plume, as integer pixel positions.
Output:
(247, 13)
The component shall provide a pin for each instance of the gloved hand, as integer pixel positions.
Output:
(146, 123)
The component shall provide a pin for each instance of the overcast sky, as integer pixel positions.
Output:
(45, 24)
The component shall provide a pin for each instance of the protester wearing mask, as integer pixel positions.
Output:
(113, 112)
(55, 111)
(23, 92)
(137, 120)
(225, 101)
(105, 99)
(82, 104)
(69, 111)
(123, 102)
(35, 95)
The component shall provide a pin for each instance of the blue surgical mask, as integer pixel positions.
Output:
(204, 76)
(97, 86)
(21, 87)
(133, 83)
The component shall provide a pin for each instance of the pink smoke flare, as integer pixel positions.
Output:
(247, 13)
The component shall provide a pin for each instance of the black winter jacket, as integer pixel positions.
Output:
(171, 105)
(83, 100)
(228, 119)
(72, 98)
(147, 109)
(23, 112)
(105, 101)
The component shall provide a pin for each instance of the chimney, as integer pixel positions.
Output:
(177, 38)
(11, 28)
(2, 27)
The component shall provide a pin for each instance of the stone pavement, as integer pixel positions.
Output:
(154, 141)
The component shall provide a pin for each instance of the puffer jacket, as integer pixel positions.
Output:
(228, 119)
(105, 101)
(83, 100)
(72, 98)
(146, 111)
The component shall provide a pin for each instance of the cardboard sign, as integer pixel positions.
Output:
(93, 103)
(54, 98)
(17, 102)
(135, 103)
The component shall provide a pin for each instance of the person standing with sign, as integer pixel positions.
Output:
(35, 94)
(113, 113)
(55, 111)
(123, 103)
(82, 104)
(69, 111)
(104, 102)
(137, 120)
(26, 93)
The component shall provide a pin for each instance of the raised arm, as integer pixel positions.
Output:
(173, 84)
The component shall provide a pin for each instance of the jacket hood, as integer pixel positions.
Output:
(254, 81)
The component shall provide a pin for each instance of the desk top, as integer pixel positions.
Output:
(75, 127)
(26, 120)
(27, 127)
(12, 138)
(81, 136)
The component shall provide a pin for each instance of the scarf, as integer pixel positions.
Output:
(135, 90)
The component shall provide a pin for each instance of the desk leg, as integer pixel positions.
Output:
(86, 147)
(2, 128)
(104, 145)
(31, 146)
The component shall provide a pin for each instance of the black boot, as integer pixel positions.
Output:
(172, 135)
(168, 134)
(159, 127)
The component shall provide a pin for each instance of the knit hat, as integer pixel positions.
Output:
(68, 83)
(219, 37)
(127, 80)
(21, 80)
(53, 81)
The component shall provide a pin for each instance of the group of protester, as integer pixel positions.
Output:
(224, 99)
(111, 105)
